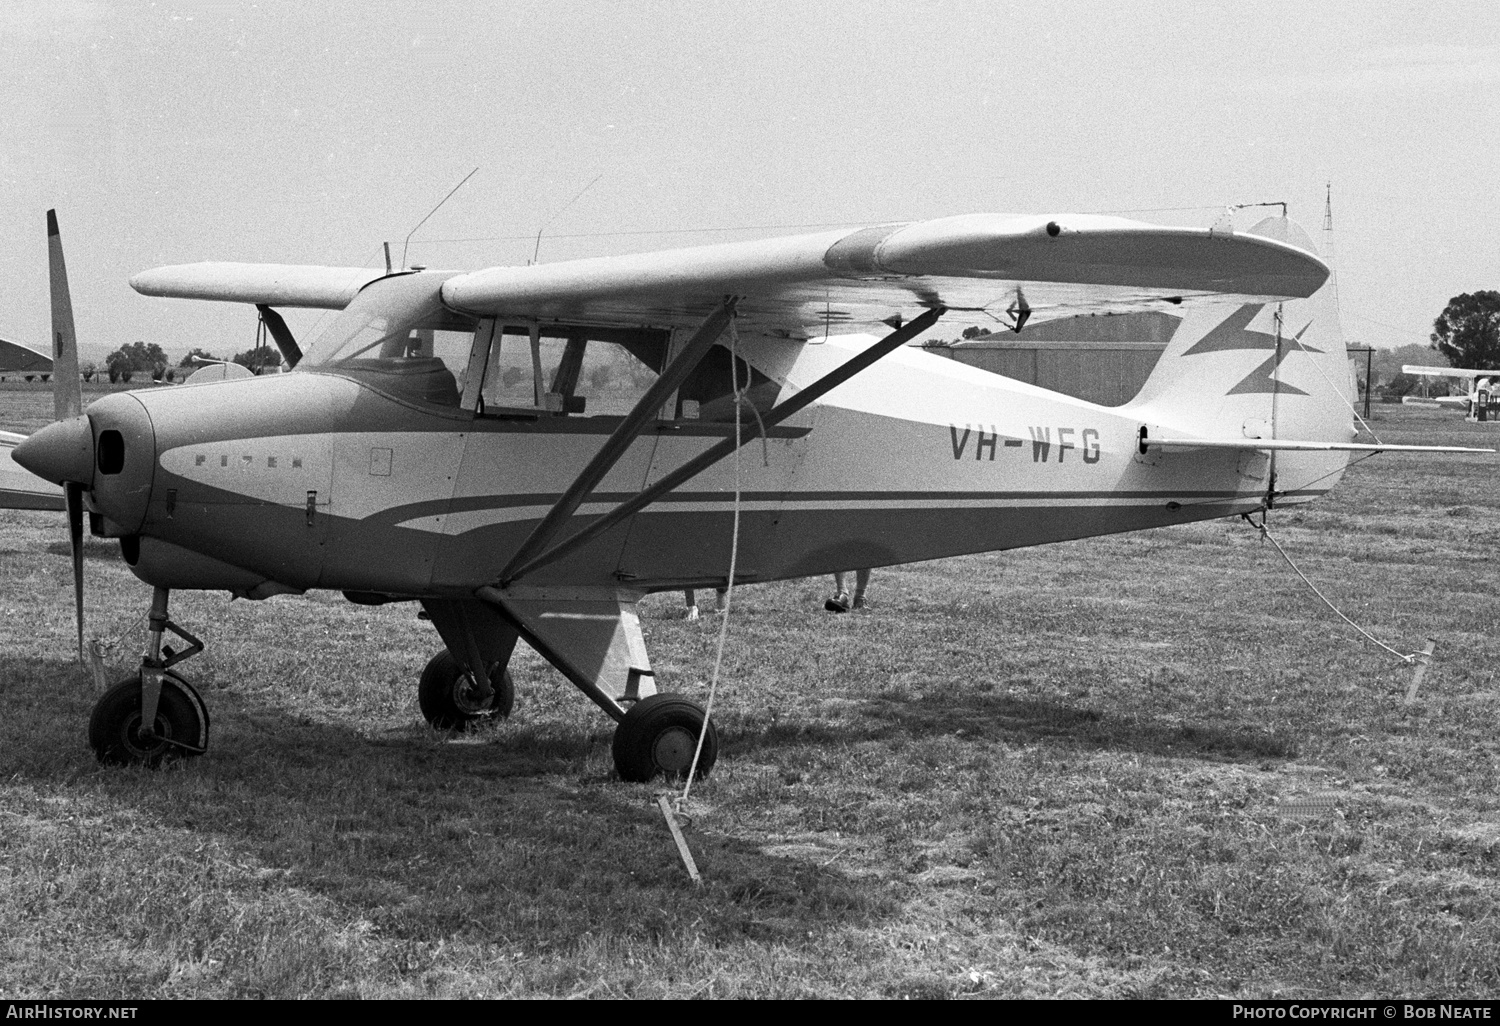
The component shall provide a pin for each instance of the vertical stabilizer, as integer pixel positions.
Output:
(1267, 370)
(67, 393)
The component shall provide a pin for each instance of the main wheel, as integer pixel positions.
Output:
(658, 737)
(448, 699)
(181, 728)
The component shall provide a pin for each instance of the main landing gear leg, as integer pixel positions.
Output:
(595, 639)
(154, 716)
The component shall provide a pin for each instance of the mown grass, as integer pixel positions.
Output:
(1066, 771)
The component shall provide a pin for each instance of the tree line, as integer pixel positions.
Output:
(148, 359)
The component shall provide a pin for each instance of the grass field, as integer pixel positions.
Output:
(1147, 766)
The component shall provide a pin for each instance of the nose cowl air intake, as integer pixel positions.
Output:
(124, 462)
(62, 452)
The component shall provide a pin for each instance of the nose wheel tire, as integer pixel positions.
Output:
(180, 730)
(658, 736)
(448, 697)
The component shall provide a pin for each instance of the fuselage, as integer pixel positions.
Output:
(319, 480)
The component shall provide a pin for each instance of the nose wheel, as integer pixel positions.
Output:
(450, 698)
(155, 716)
(658, 737)
(179, 725)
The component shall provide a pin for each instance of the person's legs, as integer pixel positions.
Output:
(691, 601)
(840, 601)
(861, 581)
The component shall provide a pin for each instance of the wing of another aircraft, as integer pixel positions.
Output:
(1448, 372)
(20, 488)
(999, 268)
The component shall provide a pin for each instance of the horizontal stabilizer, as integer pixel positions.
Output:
(1288, 445)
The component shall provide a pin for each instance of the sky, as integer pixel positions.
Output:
(293, 132)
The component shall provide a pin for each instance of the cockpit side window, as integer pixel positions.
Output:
(397, 337)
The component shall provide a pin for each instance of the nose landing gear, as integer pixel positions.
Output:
(451, 699)
(154, 716)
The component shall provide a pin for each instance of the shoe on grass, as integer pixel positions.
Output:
(838, 604)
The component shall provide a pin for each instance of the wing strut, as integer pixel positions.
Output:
(624, 434)
(276, 325)
(778, 413)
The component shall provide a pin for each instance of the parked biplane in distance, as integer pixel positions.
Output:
(1481, 401)
(527, 451)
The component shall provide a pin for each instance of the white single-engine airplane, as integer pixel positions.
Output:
(527, 451)
(1482, 394)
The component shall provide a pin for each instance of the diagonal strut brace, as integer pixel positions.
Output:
(624, 434)
(712, 455)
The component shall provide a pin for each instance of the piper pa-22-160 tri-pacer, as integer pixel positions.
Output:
(527, 451)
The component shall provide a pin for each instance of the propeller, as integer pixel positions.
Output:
(73, 494)
(67, 401)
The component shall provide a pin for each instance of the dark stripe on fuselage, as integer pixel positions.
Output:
(476, 503)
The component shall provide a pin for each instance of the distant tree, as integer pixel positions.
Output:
(88, 369)
(120, 365)
(973, 332)
(136, 358)
(1467, 332)
(1403, 384)
(258, 360)
(599, 376)
(1385, 364)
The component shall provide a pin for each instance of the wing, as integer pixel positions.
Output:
(997, 268)
(1447, 372)
(328, 288)
(1000, 267)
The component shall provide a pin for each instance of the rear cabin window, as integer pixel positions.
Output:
(708, 392)
(575, 376)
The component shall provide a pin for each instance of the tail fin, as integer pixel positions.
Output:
(1272, 370)
(67, 393)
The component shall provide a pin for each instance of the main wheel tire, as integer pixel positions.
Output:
(658, 736)
(181, 724)
(446, 694)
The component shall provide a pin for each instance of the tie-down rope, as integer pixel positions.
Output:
(1265, 534)
(740, 399)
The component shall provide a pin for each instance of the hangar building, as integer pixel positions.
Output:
(18, 361)
(1104, 359)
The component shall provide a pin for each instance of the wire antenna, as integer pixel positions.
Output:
(434, 210)
(554, 217)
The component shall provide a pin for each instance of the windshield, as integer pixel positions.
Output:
(398, 337)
